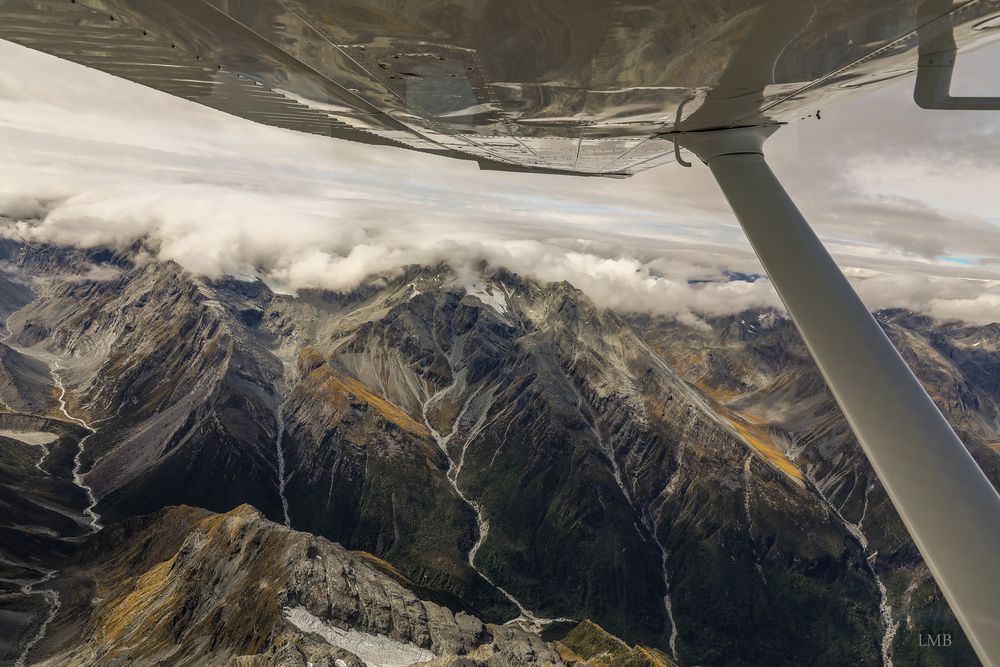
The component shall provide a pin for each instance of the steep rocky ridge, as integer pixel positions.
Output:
(755, 364)
(511, 450)
(185, 586)
(183, 393)
(591, 461)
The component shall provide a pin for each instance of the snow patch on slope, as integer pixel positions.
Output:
(374, 650)
(496, 300)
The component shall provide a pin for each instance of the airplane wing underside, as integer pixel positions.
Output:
(585, 87)
(608, 88)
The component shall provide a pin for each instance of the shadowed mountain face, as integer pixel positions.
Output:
(140, 591)
(507, 450)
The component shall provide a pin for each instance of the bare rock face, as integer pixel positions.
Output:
(24, 383)
(185, 586)
(497, 449)
(583, 456)
(756, 364)
(513, 646)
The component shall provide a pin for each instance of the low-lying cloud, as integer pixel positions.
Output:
(89, 160)
(213, 231)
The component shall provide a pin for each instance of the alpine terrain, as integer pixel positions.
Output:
(443, 470)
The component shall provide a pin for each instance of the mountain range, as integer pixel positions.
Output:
(444, 469)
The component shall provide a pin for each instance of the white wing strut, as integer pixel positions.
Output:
(946, 502)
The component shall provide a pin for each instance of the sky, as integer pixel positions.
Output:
(907, 200)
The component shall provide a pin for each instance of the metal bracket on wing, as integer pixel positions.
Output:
(677, 124)
(936, 63)
(932, 90)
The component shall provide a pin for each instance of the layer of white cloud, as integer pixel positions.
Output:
(86, 159)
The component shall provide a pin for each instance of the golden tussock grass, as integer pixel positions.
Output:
(131, 612)
(755, 432)
(383, 566)
(337, 388)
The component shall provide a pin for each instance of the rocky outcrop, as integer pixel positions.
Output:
(507, 450)
(755, 364)
(188, 587)
(182, 389)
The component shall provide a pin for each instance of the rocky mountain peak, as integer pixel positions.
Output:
(465, 466)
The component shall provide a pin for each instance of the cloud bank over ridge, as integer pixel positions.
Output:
(89, 160)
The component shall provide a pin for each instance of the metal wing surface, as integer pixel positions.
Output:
(587, 87)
